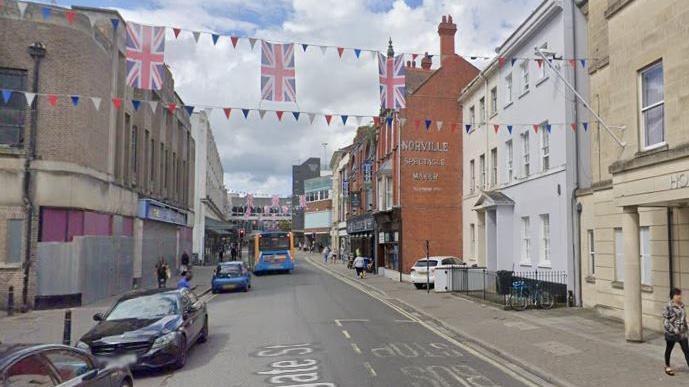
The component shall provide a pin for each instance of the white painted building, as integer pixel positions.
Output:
(519, 211)
(210, 198)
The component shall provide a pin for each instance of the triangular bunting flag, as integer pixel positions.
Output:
(117, 103)
(6, 94)
(585, 125)
(467, 127)
(539, 61)
(153, 105)
(324, 49)
(278, 113)
(548, 127)
(93, 19)
(402, 122)
(509, 128)
(29, 97)
(439, 124)
(572, 62)
(261, 113)
(69, 15)
(252, 42)
(189, 109)
(304, 46)
(296, 116)
(136, 103)
(311, 116)
(196, 36)
(512, 61)
(357, 52)
(171, 107)
(413, 56)
(535, 127)
(583, 62)
(428, 124)
(22, 8)
(328, 117)
(227, 112)
(358, 120)
(52, 99)
(75, 100)
(389, 120)
(496, 127)
(115, 23)
(176, 31)
(246, 113)
(344, 119)
(215, 38)
(96, 102)
(46, 13)
(234, 40)
(340, 51)
(501, 61)
(573, 125)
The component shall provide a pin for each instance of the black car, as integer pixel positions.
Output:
(54, 364)
(149, 329)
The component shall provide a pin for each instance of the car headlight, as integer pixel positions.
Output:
(83, 346)
(164, 340)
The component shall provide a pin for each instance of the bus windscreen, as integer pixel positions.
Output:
(274, 242)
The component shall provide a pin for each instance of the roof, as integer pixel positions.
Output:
(415, 77)
(492, 199)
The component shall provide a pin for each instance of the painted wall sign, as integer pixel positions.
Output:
(149, 209)
(425, 146)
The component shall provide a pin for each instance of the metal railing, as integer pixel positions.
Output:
(496, 287)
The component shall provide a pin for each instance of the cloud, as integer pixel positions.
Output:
(257, 155)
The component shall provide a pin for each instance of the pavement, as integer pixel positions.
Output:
(565, 346)
(46, 326)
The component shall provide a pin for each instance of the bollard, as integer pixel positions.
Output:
(67, 332)
(10, 301)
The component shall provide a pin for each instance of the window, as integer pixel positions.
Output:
(542, 69)
(494, 167)
(652, 106)
(619, 255)
(510, 161)
(152, 164)
(508, 88)
(69, 365)
(525, 154)
(526, 242)
(134, 151)
(472, 176)
(545, 147)
(482, 171)
(472, 235)
(525, 75)
(147, 159)
(645, 249)
(30, 371)
(15, 228)
(472, 115)
(592, 253)
(545, 239)
(12, 113)
(388, 192)
(381, 195)
(482, 110)
(493, 100)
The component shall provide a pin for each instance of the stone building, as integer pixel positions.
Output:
(519, 182)
(107, 190)
(635, 215)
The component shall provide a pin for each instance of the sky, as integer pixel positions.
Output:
(257, 155)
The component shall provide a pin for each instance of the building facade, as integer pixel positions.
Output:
(94, 195)
(520, 177)
(210, 194)
(635, 219)
(306, 170)
(318, 211)
(338, 229)
(360, 193)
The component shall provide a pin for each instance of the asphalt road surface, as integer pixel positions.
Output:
(311, 329)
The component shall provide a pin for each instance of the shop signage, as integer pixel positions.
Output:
(355, 198)
(425, 146)
(152, 210)
(360, 224)
(679, 180)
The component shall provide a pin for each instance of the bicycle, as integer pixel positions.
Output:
(522, 295)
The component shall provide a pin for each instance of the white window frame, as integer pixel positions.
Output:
(524, 67)
(381, 194)
(526, 241)
(482, 110)
(482, 171)
(526, 157)
(545, 241)
(493, 101)
(643, 109)
(494, 167)
(388, 192)
(592, 252)
(472, 116)
(646, 257)
(545, 148)
(472, 232)
(472, 176)
(618, 238)
(509, 88)
(509, 160)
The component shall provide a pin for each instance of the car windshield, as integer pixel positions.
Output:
(425, 263)
(229, 269)
(144, 308)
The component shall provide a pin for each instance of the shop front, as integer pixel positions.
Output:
(388, 229)
(361, 235)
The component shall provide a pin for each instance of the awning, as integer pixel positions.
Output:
(220, 227)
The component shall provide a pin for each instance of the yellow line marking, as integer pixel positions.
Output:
(370, 369)
(356, 348)
(346, 334)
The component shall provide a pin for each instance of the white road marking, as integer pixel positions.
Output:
(356, 348)
(339, 322)
(370, 369)
(405, 321)
(346, 334)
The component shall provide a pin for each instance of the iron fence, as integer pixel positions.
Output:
(497, 286)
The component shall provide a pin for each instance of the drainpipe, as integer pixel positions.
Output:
(37, 51)
(670, 255)
(576, 245)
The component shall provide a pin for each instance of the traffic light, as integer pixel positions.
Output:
(241, 233)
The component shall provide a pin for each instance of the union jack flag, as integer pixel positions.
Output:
(276, 201)
(145, 55)
(392, 81)
(277, 72)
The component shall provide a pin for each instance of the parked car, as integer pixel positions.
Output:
(231, 276)
(420, 274)
(57, 365)
(149, 329)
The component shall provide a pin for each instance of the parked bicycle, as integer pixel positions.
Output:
(523, 295)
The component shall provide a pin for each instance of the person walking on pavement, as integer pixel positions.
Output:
(326, 251)
(360, 266)
(162, 272)
(233, 252)
(185, 281)
(675, 325)
(184, 267)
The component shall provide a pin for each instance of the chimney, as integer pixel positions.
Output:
(426, 62)
(447, 30)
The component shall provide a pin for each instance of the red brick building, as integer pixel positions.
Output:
(419, 171)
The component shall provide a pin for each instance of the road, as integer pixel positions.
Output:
(313, 329)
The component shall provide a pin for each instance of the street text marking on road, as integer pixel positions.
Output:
(295, 370)
(446, 376)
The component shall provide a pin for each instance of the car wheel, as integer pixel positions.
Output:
(182, 355)
(214, 291)
(203, 336)
(126, 383)
(418, 286)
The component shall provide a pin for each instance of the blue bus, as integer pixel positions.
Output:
(271, 252)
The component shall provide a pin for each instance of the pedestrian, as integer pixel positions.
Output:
(162, 272)
(184, 263)
(360, 266)
(233, 252)
(185, 281)
(220, 254)
(326, 251)
(675, 325)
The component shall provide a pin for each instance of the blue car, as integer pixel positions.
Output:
(231, 276)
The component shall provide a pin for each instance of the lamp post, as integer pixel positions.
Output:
(37, 51)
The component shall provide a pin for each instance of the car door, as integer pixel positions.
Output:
(198, 312)
(76, 369)
(29, 371)
(189, 316)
